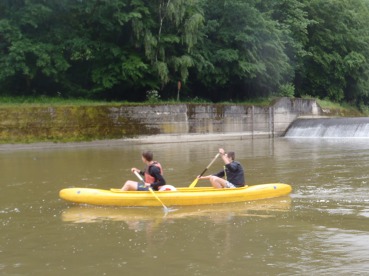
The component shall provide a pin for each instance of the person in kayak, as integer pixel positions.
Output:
(153, 175)
(232, 175)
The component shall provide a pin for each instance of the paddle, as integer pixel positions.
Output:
(193, 184)
(166, 209)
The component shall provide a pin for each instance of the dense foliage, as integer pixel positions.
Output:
(218, 50)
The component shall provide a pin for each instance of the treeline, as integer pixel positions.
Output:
(217, 50)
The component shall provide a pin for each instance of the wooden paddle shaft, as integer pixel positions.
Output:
(152, 191)
(211, 163)
(138, 176)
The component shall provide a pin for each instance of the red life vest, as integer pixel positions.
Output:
(148, 178)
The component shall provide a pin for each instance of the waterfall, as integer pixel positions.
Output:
(329, 128)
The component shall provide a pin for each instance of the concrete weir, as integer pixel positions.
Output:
(153, 123)
(204, 122)
(329, 128)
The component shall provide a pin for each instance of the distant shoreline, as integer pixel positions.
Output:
(154, 139)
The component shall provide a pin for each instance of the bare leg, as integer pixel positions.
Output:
(130, 186)
(217, 182)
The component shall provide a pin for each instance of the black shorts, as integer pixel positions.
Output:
(142, 187)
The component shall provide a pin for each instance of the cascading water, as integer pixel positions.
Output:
(329, 128)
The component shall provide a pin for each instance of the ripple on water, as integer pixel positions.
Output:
(9, 211)
(364, 213)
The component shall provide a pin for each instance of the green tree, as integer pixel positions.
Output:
(218, 49)
(242, 54)
(27, 60)
(293, 22)
(96, 48)
(98, 43)
(167, 32)
(337, 66)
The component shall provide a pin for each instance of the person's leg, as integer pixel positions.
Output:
(130, 186)
(217, 182)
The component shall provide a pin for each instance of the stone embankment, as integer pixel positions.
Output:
(152, 123)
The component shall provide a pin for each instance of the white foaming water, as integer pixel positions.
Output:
(330, 128)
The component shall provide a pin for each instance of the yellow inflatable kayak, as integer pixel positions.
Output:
(182, 196)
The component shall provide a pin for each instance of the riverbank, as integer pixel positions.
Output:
(58, 123)
(55, 124)
(143, 140)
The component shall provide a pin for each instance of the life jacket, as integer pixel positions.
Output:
(148, 177)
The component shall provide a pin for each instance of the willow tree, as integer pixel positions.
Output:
(167, 31)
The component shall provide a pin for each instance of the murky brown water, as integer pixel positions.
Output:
(321, 229)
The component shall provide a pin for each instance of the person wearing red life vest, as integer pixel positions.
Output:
(153, 175)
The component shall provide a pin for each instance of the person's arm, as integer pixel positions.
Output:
(160, 181)
(224, 156)
(137, 170)
(233, 166)
(218, 174)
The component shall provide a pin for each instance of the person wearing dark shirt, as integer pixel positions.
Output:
(153, 175)
(232, 175)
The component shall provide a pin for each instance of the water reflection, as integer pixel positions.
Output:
(261, 208)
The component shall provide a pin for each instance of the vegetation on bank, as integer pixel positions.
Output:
(211, 50)
(344, 109)
(23, 101)
(6, 101)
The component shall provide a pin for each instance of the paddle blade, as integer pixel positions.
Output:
(193, 184)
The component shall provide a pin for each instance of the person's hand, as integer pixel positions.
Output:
(221, 151)
(135, 170)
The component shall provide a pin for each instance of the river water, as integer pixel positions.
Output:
(321, 229)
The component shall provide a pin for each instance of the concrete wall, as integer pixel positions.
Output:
(129, 121)
(206, 118)
(286, 110)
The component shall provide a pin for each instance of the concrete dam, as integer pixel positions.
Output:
(149, 123)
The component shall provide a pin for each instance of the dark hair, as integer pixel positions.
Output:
(148, 155)
(231, 155)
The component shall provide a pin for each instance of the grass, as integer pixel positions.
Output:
(58, 101)
(343, 109)
(329, 104)
(49, 101)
